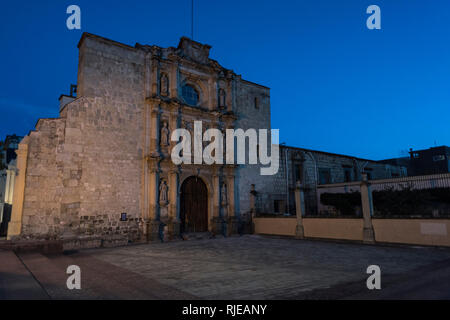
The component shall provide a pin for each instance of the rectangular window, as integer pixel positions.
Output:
(278, 206)
(298, 173)
(324, 175)
(347, 175)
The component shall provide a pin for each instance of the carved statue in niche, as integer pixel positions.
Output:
(224, 194)
(222, 98)
(164, 85)
(165, 134)
(163, 188)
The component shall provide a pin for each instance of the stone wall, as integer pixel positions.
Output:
(256, 117)
(87, 163)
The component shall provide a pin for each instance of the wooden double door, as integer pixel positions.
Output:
(194, 205)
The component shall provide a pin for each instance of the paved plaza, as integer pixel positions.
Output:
(247, 267)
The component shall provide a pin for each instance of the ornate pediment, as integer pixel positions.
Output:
(194, 50)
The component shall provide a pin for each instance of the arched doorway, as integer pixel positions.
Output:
(194, 205)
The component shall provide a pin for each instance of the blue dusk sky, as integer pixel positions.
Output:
(336, 86)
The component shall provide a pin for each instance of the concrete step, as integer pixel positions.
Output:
(42, 246)
(16, 281)
(197, 236)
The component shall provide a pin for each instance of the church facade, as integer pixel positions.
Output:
(103, 167)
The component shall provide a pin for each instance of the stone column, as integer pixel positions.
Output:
(232, 219)
(154, 131)
(153, 219)
(154, 77)
(253, 194)
(9, 187)
(173, 80)
(213, 94)
(148, 75)
(215, 221)
(174, 221)
(230, 194)
(145, 169)
(15, 224)
(300, 210)
(173, 125)
(367, 209)
(229, 96)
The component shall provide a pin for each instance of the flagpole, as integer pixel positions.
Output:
(192, 20)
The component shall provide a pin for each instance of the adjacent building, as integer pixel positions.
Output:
(7, 179)
(433, 160)
(313, 168)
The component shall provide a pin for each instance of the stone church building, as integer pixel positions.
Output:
(103, 167)
(102, 174)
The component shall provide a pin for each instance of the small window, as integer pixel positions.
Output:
(278, 206)
(190, 95)
(299, 173)
(347, 174)
(256, 102)
(324, 175)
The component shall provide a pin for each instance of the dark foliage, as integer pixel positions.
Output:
(345, 203)
(407, 202)
(392, 203)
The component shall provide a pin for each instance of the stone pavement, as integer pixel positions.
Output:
(247, 267)
(257, 267)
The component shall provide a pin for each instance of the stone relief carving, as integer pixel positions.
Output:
(194, 50)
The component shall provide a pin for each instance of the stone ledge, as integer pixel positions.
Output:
(42, 246)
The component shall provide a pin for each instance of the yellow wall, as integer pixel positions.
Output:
(407, 231)
(413, 231)
(276, 226)
(344, 229)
